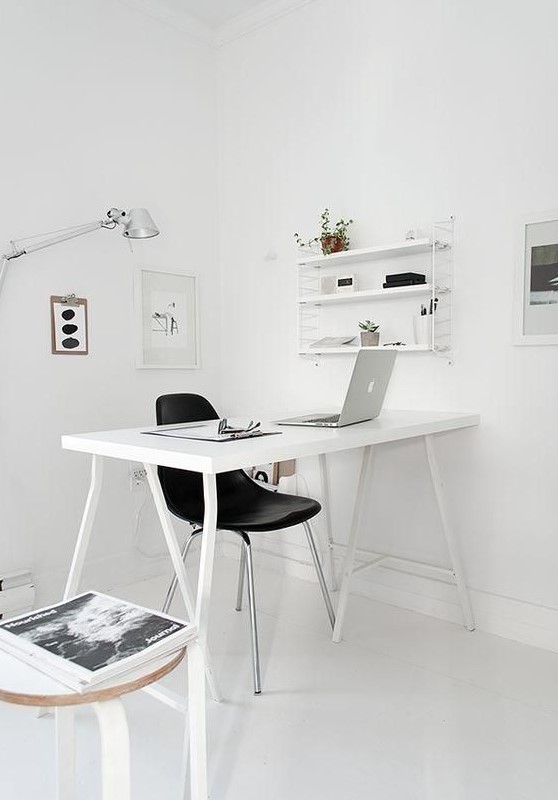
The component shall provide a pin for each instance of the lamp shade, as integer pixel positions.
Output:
(138, 224)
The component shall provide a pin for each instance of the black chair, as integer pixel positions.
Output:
(244, 506)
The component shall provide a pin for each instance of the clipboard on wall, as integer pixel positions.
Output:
(69, 325)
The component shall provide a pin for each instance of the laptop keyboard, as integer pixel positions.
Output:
(329, 418)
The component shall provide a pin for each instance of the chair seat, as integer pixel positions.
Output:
(242, 504)
(268, 513)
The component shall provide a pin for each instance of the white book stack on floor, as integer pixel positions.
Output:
(92, 640)
(17, 593)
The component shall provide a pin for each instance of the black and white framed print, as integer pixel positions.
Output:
(167, 320)
(536, 311)
(68, 325)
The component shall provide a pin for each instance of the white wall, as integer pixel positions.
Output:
(398, 114)
(101, 106)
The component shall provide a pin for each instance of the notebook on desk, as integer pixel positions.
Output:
(365, 395)
(217, 430)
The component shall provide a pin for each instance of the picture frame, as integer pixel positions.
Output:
(536, 281)
(69, 330)
(167, 319)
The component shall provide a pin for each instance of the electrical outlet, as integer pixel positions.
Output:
(138, 476)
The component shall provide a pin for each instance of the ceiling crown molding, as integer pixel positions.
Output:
(262, 14)
(162, 11)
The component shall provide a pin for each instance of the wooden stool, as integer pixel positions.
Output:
(23, 685)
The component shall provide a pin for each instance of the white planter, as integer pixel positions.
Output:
(369, 339)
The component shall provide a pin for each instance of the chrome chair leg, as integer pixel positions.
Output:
(319, 572)
(241, 571)
(253, 621)
(174, 583)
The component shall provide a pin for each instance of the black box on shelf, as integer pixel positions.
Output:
(405, 279)
(403, 283)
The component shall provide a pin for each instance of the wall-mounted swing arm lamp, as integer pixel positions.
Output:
(135, 223)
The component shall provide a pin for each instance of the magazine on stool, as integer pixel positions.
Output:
(92, 640)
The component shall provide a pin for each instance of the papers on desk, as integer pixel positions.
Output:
(219, 430)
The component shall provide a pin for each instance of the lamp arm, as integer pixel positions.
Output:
(21, 249)
(72, 233)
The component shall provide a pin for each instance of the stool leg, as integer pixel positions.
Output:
(65, 753)
(115, 749)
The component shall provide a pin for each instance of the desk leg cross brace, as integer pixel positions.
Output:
(451, 542)
(349, 562)
(328, 544)
(348, 567)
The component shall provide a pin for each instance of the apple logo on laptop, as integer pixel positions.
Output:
(370, 387)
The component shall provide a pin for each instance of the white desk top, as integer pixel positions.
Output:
(294, 442)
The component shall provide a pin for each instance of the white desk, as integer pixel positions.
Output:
(211, 458)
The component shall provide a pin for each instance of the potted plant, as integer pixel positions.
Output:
(369, 333)
(331, 240)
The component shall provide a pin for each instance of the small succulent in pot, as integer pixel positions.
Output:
(369, 333)
(331, 240)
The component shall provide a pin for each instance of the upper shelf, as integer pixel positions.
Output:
(366, 294)
(406, 248)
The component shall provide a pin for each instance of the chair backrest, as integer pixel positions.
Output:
(174, 408)
(182, 489)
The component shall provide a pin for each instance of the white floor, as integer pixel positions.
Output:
(406, 708)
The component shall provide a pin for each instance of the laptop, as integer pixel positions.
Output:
(365, 395)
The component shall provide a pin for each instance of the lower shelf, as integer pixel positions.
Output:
(409, 348)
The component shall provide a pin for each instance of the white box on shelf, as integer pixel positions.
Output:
(346, 283)
(328, 284)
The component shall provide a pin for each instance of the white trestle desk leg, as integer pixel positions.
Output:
(179, 568)
(196, 723)
(80, 551)
(86, 527)
(328, 554)
(65, 753)
(207, 557)
(115, 749)
(348, 565)
(449, 535)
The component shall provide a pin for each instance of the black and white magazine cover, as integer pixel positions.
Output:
(92, 637)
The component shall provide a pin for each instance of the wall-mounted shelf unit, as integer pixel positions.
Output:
(349, 348)
(406, 248)
(337, 314)
(375, 294)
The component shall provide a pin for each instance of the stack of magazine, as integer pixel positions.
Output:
(93, 640)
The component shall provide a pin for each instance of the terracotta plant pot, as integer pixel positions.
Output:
(368, 339)
(332, 244)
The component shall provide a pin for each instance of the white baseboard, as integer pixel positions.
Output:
(16, 601)
(415, 588)
(102, 574)
(411, 587)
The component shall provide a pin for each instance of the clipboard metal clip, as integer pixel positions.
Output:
(70, 300)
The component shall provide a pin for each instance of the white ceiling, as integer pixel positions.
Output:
(213, 12)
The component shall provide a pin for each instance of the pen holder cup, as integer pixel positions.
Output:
(422, 327)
